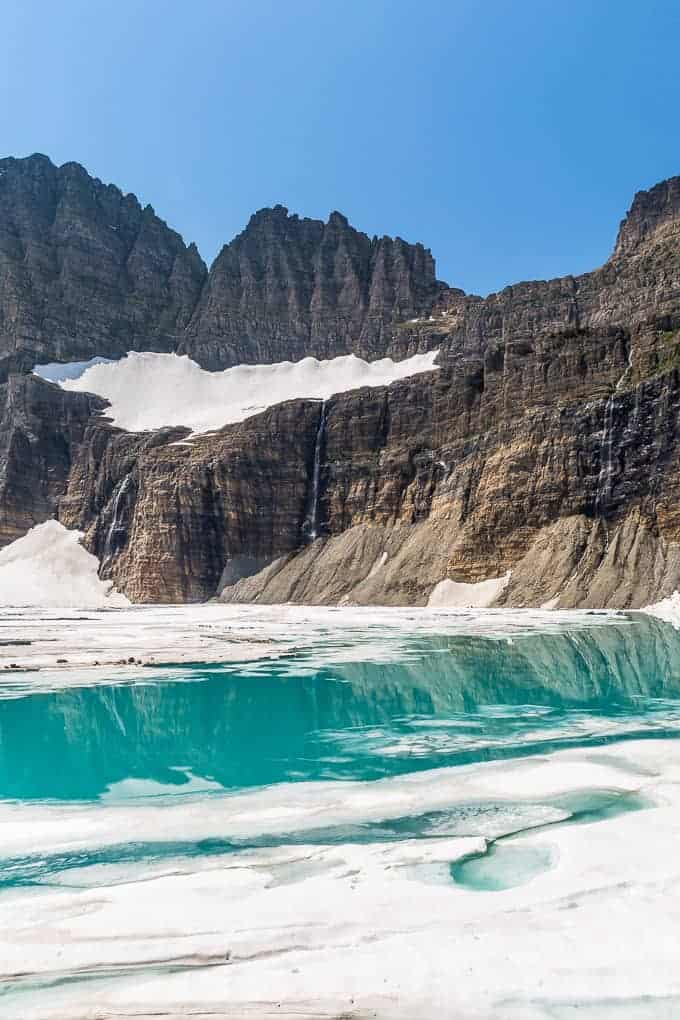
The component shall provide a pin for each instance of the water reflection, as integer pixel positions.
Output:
(453, 700)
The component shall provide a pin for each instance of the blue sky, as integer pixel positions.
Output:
(509, 137)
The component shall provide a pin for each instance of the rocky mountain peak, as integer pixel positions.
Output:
(336, 219)
(651, 211)
(269, 216)
(84, 269)
(289, 286)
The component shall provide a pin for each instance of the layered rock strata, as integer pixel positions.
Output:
(41, 429)
(169, 516)
(85, 270)
(547, 444)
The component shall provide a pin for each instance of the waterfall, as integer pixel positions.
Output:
(115, 528)
(604, 478)
(311, 525)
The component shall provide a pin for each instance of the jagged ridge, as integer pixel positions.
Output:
(85, 271)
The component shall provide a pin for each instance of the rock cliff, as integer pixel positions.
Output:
(41, 428)
(546, 443)
(85, 270)
(288, 287)
(171, 519)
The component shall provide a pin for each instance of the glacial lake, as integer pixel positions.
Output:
(377, 821)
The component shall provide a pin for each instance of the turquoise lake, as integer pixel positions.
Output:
(193, 766)
(451, 701)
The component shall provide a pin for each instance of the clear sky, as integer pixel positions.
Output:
(509, 137)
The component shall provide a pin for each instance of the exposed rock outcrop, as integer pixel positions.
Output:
(571, 563)
(85, 270)
(578, 561)
(167, 515)
(547, 444)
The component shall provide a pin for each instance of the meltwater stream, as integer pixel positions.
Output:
(326, 835)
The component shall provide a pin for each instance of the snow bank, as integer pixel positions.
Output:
(668, 609)
(149, 391)
(458, 595)
(57, 371)
(49, 567)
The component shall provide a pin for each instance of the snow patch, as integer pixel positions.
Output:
(668, 609)
(149, 391)
(459, 595)
(380, 562)
(49, 567)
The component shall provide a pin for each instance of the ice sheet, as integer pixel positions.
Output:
(149, 391)
(381, 929)
(237, 633)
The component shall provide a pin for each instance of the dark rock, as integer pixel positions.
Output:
(41, 426)
(165, 519)
(289, 287)
(85, 270)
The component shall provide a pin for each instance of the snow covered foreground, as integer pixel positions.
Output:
(49, 567)
(149, 391)
(328, 929)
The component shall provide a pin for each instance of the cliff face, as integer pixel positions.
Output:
(653, 215)
(546, 443)
(85, 270)
(41, 428)
(170, 517)
(288, 287)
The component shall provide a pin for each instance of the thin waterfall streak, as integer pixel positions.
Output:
(604, 478)
(114, 526)
(313, 516)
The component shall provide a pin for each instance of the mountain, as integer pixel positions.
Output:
(84, 269)
(545, 443)
(289, 287)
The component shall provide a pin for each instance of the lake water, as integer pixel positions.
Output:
(376, 822)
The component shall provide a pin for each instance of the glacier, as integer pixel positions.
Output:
(149, 391)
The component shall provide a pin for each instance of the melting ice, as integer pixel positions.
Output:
(408, 814)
